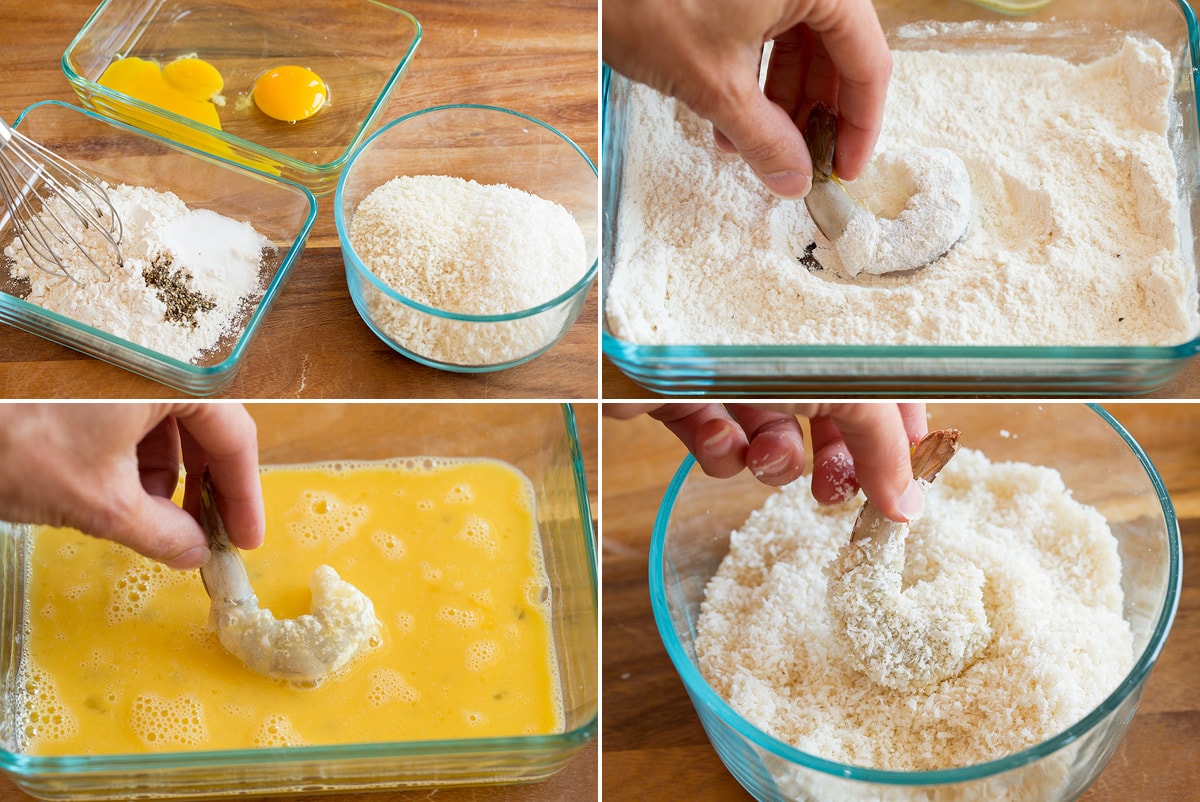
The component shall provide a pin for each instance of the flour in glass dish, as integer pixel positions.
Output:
(187, 275)
(1074, 236)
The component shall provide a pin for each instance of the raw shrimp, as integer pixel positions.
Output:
(304, 650)
(910, 638)
(935, 217)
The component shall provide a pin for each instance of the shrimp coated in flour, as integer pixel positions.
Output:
(905, 638)
(340, 624)
(936, 216)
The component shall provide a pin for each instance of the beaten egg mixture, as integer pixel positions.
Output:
(118, 657)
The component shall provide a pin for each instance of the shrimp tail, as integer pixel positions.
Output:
(224, 575)
(829, 204)
(928, 457)
(821, 135)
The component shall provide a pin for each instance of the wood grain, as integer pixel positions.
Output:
(538, 58)
(652, 741)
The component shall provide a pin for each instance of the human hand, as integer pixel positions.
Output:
(853, 445)
(708, 55)
(110, 470)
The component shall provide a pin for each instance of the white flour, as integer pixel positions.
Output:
(477, 249)
(187, 275)
(1074, 236)
(1052, 594)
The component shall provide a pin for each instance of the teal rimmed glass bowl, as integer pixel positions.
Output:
(281, 211)
(360, 48)
(1076, 30)
(1102, 465)
(542, 441)
(489, 145)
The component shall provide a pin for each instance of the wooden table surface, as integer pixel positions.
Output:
(527, 55)
(653, 744)
(578, 781)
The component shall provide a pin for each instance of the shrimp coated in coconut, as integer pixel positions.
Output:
(905, 638)
(340, 624)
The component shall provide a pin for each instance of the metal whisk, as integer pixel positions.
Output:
(51, 202)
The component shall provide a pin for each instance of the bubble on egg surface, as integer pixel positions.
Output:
(481, 654)
(277, 730)
(45, 717)
(162, 723)
(425, 505)
(474, 718)
(405, 622)
(536, 592)
(133, 590)
(390, 544)
(388, 686)
(290, 93)
(461, 493)
(323, 518)
(478, 533)
(463, 619)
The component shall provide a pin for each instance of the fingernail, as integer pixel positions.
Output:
(771, 467)
(192, 558)
(912, 502)
(719, 444)
(789, 184)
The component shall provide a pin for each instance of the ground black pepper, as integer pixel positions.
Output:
(183, 303)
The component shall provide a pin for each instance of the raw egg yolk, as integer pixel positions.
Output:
(290, 93)
(187, 86)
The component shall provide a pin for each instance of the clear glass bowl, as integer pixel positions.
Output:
(490, 146)
(361, 48)
(539, 439)
(1102, 465)
(281, 211)
(1076, 29)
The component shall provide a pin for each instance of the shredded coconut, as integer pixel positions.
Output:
(1074, 236)
(186, 279)
(478, 249)
(1051, 590)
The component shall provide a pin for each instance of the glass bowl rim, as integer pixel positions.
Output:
(237, 352)
(616, 347)
(30, 765)
(703, 694)
(259, 151)
(352, 259)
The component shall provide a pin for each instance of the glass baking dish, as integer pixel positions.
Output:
(1081, 29)
(360, 48)
(539, 439)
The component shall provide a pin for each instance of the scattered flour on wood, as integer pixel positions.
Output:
(1052, 592)
(478, 249)
(1073, 240)
(188, 276)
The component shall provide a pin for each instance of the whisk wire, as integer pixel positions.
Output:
(51, 202)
